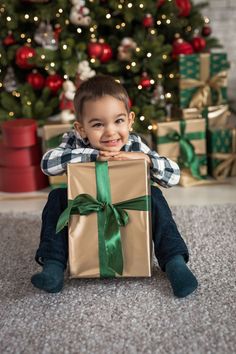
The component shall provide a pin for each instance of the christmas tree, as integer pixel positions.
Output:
(47, 46)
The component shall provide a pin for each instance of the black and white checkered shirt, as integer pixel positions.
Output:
(74, 149)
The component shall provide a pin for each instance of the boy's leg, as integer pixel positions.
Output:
(170, 248)
(53, 248)
(52, 245)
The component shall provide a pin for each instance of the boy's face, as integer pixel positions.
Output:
(106, 123)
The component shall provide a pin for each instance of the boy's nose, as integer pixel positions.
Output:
(109, 130)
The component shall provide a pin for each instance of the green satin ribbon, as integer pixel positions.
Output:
(188, 157)
(110, 218)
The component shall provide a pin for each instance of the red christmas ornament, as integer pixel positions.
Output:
(22, 55)
(106, 53)
(36, 80)
(206, 30)
(95, 49)
(181, 47)
(160, 3)
(130, 102)
(198, 43)
(57, 32)
(147, 21)
(9, 40)
(54, 82)
(184, 7)
(145, 81)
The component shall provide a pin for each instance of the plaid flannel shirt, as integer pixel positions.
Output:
(73, 149)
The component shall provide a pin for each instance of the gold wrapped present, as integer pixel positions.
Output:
(52, 136)
(217, 117)
(58, 181)
(185, 142)
(110, 229)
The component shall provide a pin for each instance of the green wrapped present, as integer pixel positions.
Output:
(203, 80)
(221, 146)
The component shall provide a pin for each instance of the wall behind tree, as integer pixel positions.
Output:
(222, 14)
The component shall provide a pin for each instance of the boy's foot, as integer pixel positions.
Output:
(51, 279)
(182, 280)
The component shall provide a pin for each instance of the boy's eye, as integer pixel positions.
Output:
(97, 125)
(120, 120)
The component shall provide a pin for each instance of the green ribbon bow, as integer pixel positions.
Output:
(188, 157)
(110, 218)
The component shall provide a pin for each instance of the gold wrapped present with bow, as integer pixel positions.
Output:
(109, 219)
(185, 142)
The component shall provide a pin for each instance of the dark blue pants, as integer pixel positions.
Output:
(166, 237)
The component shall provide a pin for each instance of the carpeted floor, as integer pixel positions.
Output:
(122, 315)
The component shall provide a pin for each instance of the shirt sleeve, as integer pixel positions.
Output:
(54, 162)
(163, 171)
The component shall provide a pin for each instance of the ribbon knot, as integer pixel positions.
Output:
(188, 157)
(104, 205)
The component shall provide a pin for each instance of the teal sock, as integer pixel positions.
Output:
(182, 280)
(51, 279)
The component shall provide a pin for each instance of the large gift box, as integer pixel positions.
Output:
(110, 225)
(52, 136)
(221, 142)
(203, 80)
(184, 141)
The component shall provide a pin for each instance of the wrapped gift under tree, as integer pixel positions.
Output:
(221, 142)
(203, 80)
(52, 136)
(109, 227)
(185, 142)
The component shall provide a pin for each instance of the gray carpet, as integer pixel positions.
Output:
(122, 315)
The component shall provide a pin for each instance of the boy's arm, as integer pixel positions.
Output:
(54, 162)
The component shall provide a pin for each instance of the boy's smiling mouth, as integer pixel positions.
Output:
(113, 142)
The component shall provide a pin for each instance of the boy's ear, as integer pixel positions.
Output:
(131, 119)
(80, 129)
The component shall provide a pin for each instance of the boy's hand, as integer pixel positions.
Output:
(122, 155)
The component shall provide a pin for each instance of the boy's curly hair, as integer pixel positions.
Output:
(97, 87)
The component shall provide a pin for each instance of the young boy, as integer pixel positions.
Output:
(101, 132)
